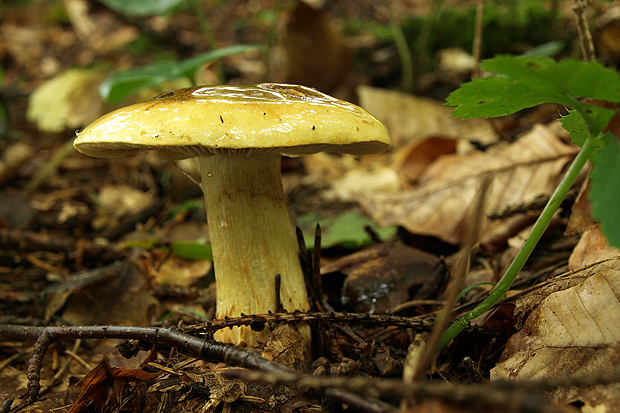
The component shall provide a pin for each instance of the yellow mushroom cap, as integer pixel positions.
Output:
(211, 120)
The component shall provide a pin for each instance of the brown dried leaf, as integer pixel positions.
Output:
(522, 171)
(591, 248)
(418, 156)
(104, 386)
(571, 332)
(116, 201)
(409, 118)
(317, 54)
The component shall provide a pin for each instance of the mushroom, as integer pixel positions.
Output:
(239, 134)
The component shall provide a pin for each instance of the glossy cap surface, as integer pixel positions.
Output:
(215, 120)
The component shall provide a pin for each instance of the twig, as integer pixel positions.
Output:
(477, 44)
(317, 282)
(48, 386)
(5, 407)
(50, 167)
(210, 351)
(256, 321)
(14, 357)
(62, 370)
(81, 279)
(13, 239)
(44, 341)
(585, 36)
(522, 396)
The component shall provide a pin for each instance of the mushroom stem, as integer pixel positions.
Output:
(252, 241)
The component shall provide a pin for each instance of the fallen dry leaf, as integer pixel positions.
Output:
(522, 171)
(359, 182)
(317, 54)
(12, 158)
(67, 101)
(118, 200)
(572, 332)
(413, 159)
(409, 118)
(105, 387)
(591, 248)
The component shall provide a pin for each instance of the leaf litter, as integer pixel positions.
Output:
(431, 177)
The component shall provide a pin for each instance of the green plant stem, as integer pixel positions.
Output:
(532, 240)
(210, 37)
(406, 61)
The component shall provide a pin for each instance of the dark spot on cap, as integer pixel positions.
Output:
(313, 127)
(165, 95)
(221, 119)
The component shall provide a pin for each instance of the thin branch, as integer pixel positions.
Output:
(256, 321)
(585, 36)
(211, 351)
(477, 44)
(518, 396)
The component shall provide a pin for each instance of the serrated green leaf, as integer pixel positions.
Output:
(576, 127)
(118, 86)
(569, 77)
(191, 250)
(524, 82)
(605, 189)
(497, 96)
(142, 8)
(345, 230)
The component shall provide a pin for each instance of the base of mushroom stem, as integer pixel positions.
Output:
(244, 336)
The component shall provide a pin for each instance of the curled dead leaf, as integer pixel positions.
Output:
(572, 332)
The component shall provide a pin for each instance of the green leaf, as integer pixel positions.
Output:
(605, 189)
(576, 127)
(345, 230)
(191, 250)
(190, 66)
(142, 8)
(189, 205)
(120, 85)
(496, 96)
(525, 81)
(574, 78)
